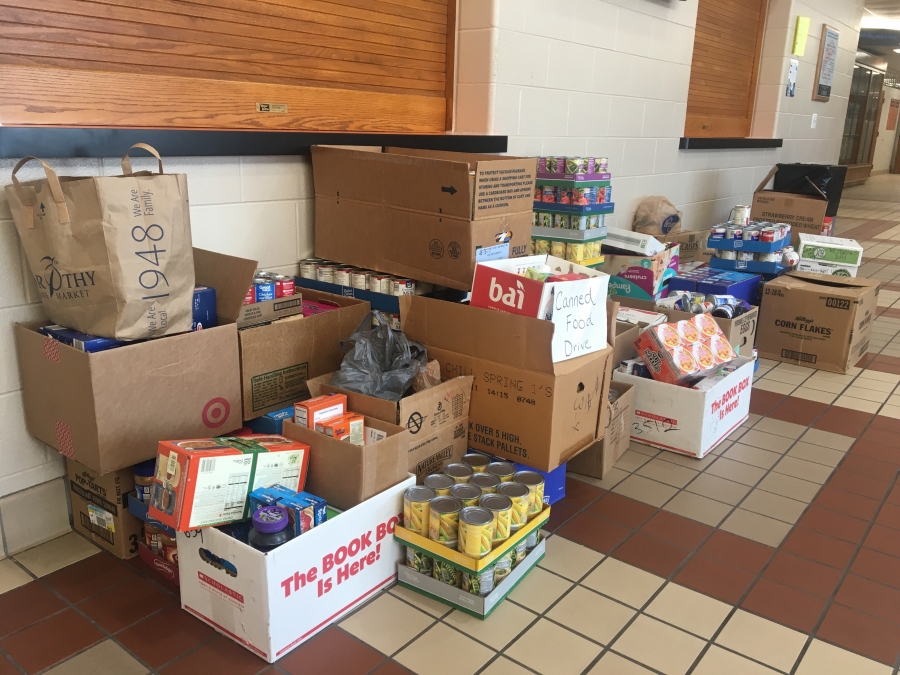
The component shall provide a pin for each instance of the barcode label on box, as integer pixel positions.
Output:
(798, 356)
(208, 465)
(100, 531)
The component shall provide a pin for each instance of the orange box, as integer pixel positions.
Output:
(675, 352)
(348, 427)
(319, 409)
(206, 481)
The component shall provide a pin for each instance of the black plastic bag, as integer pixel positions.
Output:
(813, 180)
(379, 361)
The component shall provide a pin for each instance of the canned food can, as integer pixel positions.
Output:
(460, 473)
(741, 215)
(486, 481)
(446, 573)
(518, 553)
(466, 492)
(723, 312)
(719, 300)
(577, 165)
(548, 194)
(250, 298)
(342, 276)
(564, 195)
(503, 470)
(476, 531)
(502, 568)
(752, 235)
(702, 307)
(359, 279)
(579, 222)
(375, 279)
(555, 164)
(593, 222)
(729, 232)
(746, 256)
(530, 541)
(419, 561)
(520, 496)
(584, 195)
(403, 287)
(325, 273)
(443, 521)
(308, 267)
(718, 232)
(561, 221)
(545, 219)
(770, 257)
(416, 509)
(265, 289)
(542, 247)
(538, 193)
(477, 461)
(558, 249)
(601, 164)
(535, 484)
(501, 506)
(596, 248)
(284, 286)
(440, 483)
(478, 583)
(170, 553)
(575, 251)
(725, 254)
(768, 234)
(790, 258)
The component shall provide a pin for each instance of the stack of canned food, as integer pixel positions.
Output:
(268, 286)
(361, 279)
(786, 256)
(722, 306)
(572, 165)
(565, 221)
(576, 195)
(753, 231)
(473, 507)
(580, 252)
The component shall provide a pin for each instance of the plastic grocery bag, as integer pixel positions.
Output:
(111, 255)
(657, 216)
(379, 361)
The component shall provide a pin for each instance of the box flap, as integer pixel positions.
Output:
(769, 176)
(836, 285)
(229, 275)
(371, 406)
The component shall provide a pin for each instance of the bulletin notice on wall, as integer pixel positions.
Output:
(501, 188)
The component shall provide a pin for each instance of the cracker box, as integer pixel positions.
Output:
(203, 482)
(348, 427)
(319, 409)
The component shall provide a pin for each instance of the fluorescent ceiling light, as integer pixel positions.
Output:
(875, 21)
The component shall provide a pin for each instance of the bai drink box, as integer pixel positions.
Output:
(577, 307)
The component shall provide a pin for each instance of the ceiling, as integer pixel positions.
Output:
(889, 9)
(882, 41)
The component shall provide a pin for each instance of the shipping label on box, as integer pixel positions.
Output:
(689, 421)
(273, 602)
(577, 308)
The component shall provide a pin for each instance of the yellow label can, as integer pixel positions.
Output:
(416, 509)
(520, 496)
(501, 507)
(443, 522)
(476, 531)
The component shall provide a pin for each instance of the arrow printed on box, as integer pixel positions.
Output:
(452, 190)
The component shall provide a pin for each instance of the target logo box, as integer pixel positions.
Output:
(109, 410)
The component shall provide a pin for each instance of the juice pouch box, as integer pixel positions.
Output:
(319, 409)
(207, 481)
(306, 511)
(667, 358)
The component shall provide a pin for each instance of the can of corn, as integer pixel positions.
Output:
(476, 461)
(416, 509)
(535, 483)
(440, 483)
(466, 492)
(443, 520)
(476, 531)
(558, 249)
(520, 496)
(503, 470)
(501, 507)
(460, 473)
(488, 482)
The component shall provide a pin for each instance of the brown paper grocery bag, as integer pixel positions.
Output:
(111, 255)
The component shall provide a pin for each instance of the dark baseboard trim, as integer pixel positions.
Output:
(728, 143)
(102, 142)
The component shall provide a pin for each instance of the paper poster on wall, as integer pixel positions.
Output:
(893, 112)
(828, 51)
(801, 33)
(792, 78)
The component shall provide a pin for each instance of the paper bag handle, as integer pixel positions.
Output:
(126, 161)
(62, 211)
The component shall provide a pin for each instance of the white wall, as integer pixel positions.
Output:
(610, 78)
(255, 207)
(884, 146)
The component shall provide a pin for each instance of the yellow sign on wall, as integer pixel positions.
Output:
(800, 35)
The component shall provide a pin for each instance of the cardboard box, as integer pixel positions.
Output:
(271, 422)
(100, 511)
(688, 421)
(109, 410)
(830, 250)
(319, 409)
(278, 358)
(691, 246)
(802, 212)
(525, 408)
(207, 481)
(273, 602)
(834, 269)
(437, 419)
(598, 459)
(344, 474)
(634, 242)
(817, 321)
(577, 308)
(740, 332)
(640, 277)
(425, 215)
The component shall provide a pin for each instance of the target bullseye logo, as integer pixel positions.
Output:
(215, 412)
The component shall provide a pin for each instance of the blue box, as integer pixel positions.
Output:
(267, 496)
(271, 423)
(770, 269)
(711, 281)
(306, 511)
(204, 313)
(752, 246)
(80, 341)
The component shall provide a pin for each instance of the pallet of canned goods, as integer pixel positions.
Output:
(754, 237)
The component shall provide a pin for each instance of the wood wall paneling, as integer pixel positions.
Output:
(339, 65)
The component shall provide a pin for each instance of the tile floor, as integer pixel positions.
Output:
(777, 553)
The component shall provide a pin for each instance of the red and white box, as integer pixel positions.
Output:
(273, 602)
(678, 351)
(577, 308)
(689, 421)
